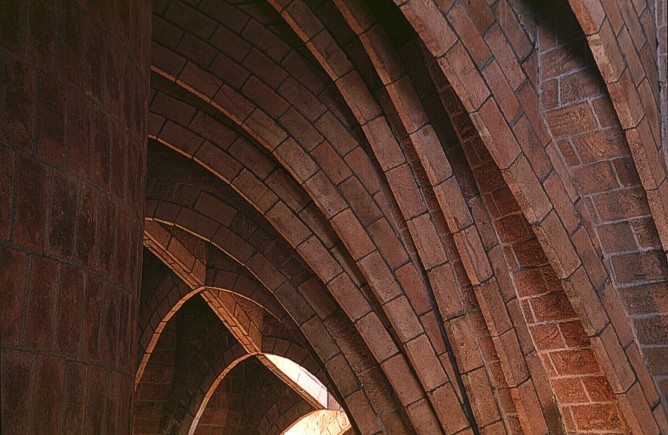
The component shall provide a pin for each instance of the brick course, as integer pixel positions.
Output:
(450, 212)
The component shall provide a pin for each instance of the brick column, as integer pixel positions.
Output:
(73, 104)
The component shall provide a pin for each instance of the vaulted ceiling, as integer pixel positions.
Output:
(452, 215)
(425, 204)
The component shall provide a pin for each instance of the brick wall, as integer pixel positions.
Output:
(72, 156)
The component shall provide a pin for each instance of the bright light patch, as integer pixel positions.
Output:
(320, 422)
(301, 377)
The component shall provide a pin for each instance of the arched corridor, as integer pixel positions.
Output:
(334, 216)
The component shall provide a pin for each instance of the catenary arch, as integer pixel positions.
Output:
(272, 341)
(169, 296)
(166, 211)
(373, 259)
(225, 275)
(536, 199)
(177, 147)
(515, 185)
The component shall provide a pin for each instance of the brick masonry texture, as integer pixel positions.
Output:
(452, 214)
(75, 84)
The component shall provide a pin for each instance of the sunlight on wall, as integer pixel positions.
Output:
(324, 422)
(301, 377)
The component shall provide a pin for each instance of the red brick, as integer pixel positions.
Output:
(398, 372)
(18, 376)
(598, 389)
(51, 139)
(200, 81)
(14, 271)
(505, 55)
(215, 208)
(574, 362)
(232, 103)
(328, 159)
(217, 161)
(597, 417)
(431, 154)
(464, 77)
(461, 21)
(50, 383)
(414, 288)
(645, 298)
(364, 206)
(551, 307)
(547, 337)
(253, 158)
(265, 129)
(569, 390)
(502, 91)
(621, 204)
(30, 197)
(264, 97)
(574, 334)
(7, 164)
(529, 282)
(379, 277)
(512, 28)
(430, 24)
(599, 145)
(427, 241)
(572, 120)
(652, 330)
(353, 234)
(579, 85)
(496, 133)
(597, 177)
(319, 258)
(349, 296)
(189, 18)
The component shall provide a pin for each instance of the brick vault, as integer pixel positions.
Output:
(451, 215)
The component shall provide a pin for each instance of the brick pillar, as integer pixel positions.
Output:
(73, 105)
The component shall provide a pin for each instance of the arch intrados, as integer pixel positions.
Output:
(435, 164)
(265, 144)
(389, 278)
(342, 429)
(345, 300)
(526, 188)
(366, 403)
(292, 350)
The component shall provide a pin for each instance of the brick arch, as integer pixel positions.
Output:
(334, 427)
(611, 169)
(158, 313)
(356, 308)
(299, 12)
(519, 189)
(199, 402)
(460, 63)
(169, 245)
(279, 344)
(624, 54)
(276, 420)
(210, 268)
(261, 266)
(266, 418)
(166, 384)
(400, 306)
(418, 132)
(168, 297)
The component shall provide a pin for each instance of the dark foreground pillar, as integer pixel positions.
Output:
(73, 103)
